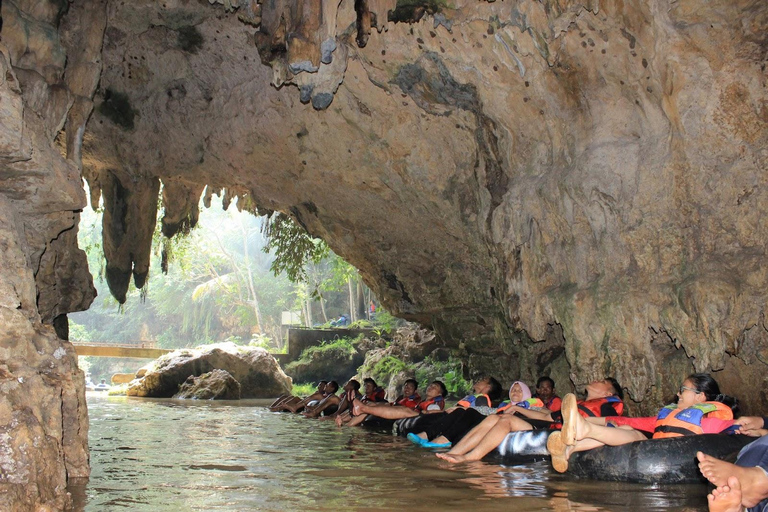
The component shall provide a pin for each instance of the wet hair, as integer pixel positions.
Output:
(334, 385)
(355, 384)
(616, 387)
(412, 381)
(545, 379)
(443, 389)
(369, 380)
(496, 390)
(704, 383)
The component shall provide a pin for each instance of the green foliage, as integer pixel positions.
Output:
(382, 370)
(304, 389)
(79, 332)
(447, 371)
(386, 322)
(293, 247)
(344, 345)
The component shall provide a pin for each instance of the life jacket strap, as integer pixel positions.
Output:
(668, 429)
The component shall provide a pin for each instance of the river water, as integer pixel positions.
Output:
(173, 455)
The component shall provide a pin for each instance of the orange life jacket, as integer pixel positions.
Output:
(526, 404)
(594, 407)
(438, 400)
(377, 395)
(409, 401)
(674, 422)
(475, 400)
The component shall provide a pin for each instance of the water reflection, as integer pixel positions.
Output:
(168, 455)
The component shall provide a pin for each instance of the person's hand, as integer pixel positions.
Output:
(748, 424)
(338, 421)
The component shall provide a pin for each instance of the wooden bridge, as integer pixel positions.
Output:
(137, 349)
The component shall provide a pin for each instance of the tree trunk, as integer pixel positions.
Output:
(322, 310)
(361, 304)
(308, 312)
(352, 310)
(249, 273)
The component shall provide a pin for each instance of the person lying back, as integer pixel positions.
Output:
(294, 404)
(604, 398)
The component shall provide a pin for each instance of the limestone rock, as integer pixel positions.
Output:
(258, 373)
(337, 363)
(214, 385)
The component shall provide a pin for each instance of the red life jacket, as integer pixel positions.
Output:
(475, 400)
(377, 395)
(438, 400)
(594, 407)
(409, 401)
(674, 422)
(554, 403)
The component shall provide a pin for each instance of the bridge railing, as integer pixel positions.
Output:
(123, 344)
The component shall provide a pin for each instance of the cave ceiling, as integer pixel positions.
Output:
(582, 171)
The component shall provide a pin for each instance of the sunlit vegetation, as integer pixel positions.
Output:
(222, 284)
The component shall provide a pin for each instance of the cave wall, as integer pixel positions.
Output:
(43, 417)
(533, 180)
(556, 186)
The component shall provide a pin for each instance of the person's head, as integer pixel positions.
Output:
(435, 389)
(518, 392)
(370, 385)
(604, 388)
(352, 385)
(332, 387)
(103, 381)
(545, 388)
(321, 385)
(487, 386)
(409, 387)
(701, 387)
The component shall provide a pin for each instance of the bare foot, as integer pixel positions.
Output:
(357, 407)
(726, 498)
(454, 459)
(715, 470)
(574, 427)
(559, 451)
(753, 482)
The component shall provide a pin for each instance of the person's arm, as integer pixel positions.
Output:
(323, 405)
(305, 401)
(545, 415)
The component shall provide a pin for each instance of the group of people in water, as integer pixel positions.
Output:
(481, 421)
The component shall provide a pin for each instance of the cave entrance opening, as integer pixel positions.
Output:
(213, 281)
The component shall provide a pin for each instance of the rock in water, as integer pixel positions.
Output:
(215, 385)
(258, 373)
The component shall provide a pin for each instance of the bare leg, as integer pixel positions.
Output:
(753, 482)
(495, 436)
(560, 451)
(474, 436)
(279, 400)
(285, 403)
(577, 428)
(726, 498)
(394, 412)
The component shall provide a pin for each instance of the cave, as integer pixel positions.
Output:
(570, 187)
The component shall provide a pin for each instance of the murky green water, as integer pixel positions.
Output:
(171, 455)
